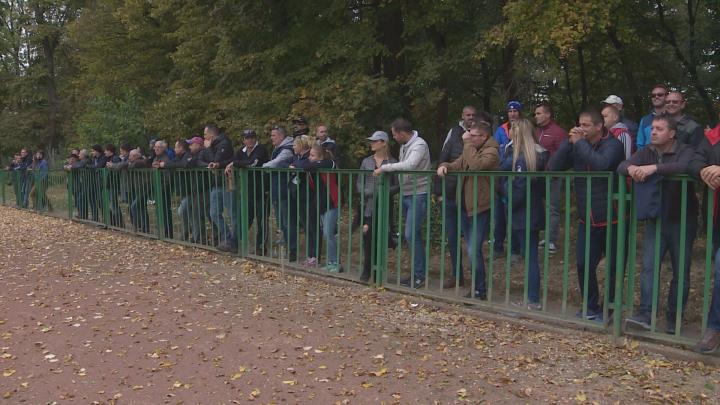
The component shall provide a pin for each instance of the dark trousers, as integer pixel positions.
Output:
(139, 214)
(533, 265)
(501, 228)
(596, 247)
(258, 210)
(670, 239)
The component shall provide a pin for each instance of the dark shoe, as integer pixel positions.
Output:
(419, 283)
(478, 295)
(641, 321)
(670, 327)
(365, 277)
(590, 315)
(292, 257)
(709, 343)
(225, 247)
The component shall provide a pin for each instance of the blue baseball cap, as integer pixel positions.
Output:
(514, 105)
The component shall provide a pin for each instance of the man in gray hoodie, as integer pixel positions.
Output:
(414, 155)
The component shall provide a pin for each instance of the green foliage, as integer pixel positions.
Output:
(125, 69)
(112, 120)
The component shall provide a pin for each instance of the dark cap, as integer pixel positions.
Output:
(249, 133)
(299, 120)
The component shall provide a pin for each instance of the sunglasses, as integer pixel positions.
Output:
(658, 95)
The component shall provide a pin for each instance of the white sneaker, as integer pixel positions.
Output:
(541, 243)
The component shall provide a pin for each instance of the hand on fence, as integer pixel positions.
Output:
(641, 173)
(711, 176)
(442, 170)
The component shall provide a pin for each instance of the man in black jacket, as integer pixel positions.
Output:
(665, 156)
(97, 162)
(254, 155)
(590, 147)
(217, 156)
(705, 166)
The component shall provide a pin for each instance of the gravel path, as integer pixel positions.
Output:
(95, 316)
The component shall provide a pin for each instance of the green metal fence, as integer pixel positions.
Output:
(393, 231)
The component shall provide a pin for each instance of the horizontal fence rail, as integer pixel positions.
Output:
(565, 247)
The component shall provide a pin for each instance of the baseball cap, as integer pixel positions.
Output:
(514, 105)
(195, 139)
(379, 136)
(299, 120)
(249, 133)
(612, 99)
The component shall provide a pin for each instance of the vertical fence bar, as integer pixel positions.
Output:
(586, 252)
(709, 237)
(620, 258)
(491, 236)
(681, 261)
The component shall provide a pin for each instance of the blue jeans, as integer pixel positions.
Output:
(329, 227)
(414, 220)
(714, 313)
(533, 267)
(450, 212)
(475, 228)
(669, 240)
(219, 200)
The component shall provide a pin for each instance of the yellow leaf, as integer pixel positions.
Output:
(8, 372)
(255, 393)
(366, 385)
(380, 372)
(581, 397)
(290, 382)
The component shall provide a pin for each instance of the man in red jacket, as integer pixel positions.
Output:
(550, 135)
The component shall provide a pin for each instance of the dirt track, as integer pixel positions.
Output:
(93, 316)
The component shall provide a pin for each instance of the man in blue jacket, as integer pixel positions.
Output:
(657, 99)
(590, 147)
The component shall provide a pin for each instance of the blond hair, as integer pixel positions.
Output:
(522, 134)
(303, 142)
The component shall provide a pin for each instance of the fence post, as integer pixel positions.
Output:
(241, 194)
(70, 192)
(620, 258)
(105, 196)
(3, 182)
(381, 231)
(159, 203)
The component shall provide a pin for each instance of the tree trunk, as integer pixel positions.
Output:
(508, 71)
(49, 44)
(487, 82)
(583, 79)
(627, 71)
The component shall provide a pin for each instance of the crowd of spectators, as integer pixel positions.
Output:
(666, 142)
